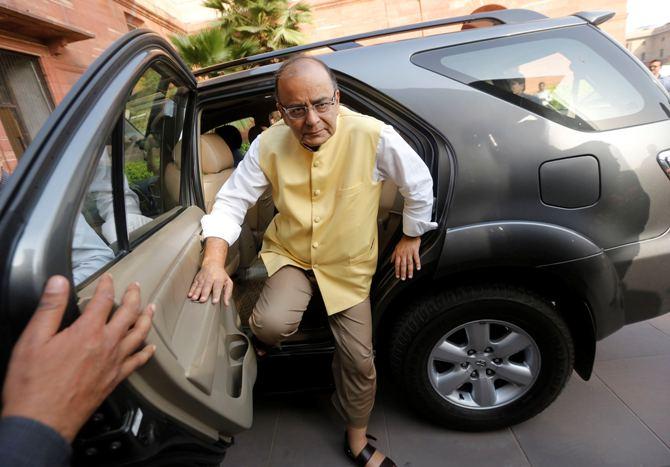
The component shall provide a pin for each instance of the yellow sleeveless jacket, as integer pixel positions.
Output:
(327, 202)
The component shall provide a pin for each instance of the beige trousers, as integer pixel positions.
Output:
(277, 315)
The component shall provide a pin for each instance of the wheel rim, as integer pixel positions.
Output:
(484, 364)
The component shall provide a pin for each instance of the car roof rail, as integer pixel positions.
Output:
(347, 42)
(595, 17)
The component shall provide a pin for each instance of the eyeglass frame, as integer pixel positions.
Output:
(306, 108)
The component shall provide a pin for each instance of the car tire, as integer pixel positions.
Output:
(435, 347)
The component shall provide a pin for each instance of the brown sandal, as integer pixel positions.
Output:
(366, 453)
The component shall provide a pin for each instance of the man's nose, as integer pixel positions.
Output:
(312, 117)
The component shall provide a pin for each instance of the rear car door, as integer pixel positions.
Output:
(108, 186)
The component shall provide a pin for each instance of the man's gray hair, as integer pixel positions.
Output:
(292, 61)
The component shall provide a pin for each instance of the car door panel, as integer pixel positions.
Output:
(203, 368)
(202, 374)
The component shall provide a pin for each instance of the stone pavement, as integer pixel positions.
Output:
(621, 417)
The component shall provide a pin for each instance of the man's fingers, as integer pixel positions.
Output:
(128, 312)
(393, 256)
(194, 287)
(397, 267)
(135, 361)
(403, 268)
(138, 333)
(49, 313)
(217, 286)
(417, 260)
(206, 289)
(227, 291)
(100, 305)
(410, 266)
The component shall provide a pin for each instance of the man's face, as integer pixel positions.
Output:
(306, 84)
(517, 87)
(655, 68)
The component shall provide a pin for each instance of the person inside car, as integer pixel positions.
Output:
(325, 165)
(655, 68)
(56, 379)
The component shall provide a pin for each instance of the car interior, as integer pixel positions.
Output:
(244, 264)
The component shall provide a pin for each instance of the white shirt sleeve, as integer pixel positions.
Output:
(236, 196)
(398, 162)
(89, 252)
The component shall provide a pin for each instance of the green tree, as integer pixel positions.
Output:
(247, 27)
(203, 48)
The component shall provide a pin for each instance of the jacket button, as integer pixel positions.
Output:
(317, 192)
(315, 245)
(317, 219)
(317, 163)
(315, 266)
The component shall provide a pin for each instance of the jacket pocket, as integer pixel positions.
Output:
(366, 255)
(349, 191)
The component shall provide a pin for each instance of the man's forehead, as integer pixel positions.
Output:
(303, 74)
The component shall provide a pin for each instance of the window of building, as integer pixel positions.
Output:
(25, 104)
(643, 57)
(133, 22)
(661, 54)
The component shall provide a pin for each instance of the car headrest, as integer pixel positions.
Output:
(215, 155)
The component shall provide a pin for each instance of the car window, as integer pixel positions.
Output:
(152, 122)
(574, 76)
(154, 115)
(94, 242)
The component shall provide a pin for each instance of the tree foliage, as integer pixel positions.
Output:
(246, 27)
(203, 48)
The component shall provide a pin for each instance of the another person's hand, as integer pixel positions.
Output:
(406, 257)
(212, 277)
(60, 378)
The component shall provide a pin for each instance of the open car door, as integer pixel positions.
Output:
(109, 186)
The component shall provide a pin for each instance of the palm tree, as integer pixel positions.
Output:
(256, 26)
(204, 48)
(247, 27)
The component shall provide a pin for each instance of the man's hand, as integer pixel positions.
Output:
(212, 277)
(406, 257)
(60, 378)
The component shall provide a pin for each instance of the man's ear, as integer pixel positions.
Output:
(337, 96)
(281, 112)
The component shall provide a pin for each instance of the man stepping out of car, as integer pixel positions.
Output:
(325, 165)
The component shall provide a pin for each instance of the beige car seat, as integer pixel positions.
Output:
(216, 165)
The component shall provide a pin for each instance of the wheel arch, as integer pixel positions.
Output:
(570, 304)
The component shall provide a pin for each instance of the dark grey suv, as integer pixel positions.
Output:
(549, 145)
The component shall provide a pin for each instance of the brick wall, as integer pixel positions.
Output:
(107, 20)
(334, 18)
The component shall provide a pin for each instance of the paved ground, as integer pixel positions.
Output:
(620, 417)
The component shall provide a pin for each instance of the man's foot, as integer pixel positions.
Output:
(260, 347)
(363, 453)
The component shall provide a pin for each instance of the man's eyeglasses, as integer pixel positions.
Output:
(300, 111)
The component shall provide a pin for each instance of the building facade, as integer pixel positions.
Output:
(334, 18)
(650, 44)
(45, 46)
